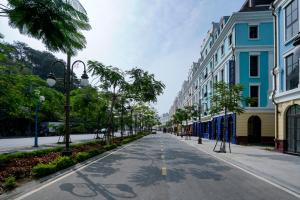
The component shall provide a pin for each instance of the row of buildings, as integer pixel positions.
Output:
(258, 48)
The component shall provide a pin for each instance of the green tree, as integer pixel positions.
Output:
(84, 104)
(146, 116)
(227, 98)
(143, 85)
(179, 117)
(17, 100)
(56, 22)
(112, 81)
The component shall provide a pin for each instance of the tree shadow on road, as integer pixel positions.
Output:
(152, 175)
(89, 189)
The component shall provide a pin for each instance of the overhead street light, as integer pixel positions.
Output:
(51, 81)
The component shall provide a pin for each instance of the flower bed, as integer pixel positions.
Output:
(44, 162)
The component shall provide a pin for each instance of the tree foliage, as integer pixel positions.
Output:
(58, 23)
(144, 87)
(19, 98)
(228, 98)
(89, 109)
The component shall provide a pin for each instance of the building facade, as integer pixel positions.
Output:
(286, 93)
(237, 49)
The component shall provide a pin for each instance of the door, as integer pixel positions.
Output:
(293, 129)
(254, 130)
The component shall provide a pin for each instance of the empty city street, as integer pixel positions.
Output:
(157, 167)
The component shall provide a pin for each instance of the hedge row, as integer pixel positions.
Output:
(64, 162)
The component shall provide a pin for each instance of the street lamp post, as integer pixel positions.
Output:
(51, 80)
(41, 99)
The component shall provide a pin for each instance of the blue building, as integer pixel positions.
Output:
(237, 49)
(286, 92)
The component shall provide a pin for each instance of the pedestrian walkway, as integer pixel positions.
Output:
(279, 168)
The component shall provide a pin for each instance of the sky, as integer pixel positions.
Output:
(160, 36)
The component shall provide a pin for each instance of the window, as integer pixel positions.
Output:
(254, 66)
(211, 65)
(253, 32)
(222, 50)
(216, 78)
(291, 20)
(216, 57)
(222, 75)
(254, 94)
(206, 52)
(292, 72)
(230, 39)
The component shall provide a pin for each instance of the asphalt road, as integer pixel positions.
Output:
(158, 167)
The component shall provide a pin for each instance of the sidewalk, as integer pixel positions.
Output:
(282, 169)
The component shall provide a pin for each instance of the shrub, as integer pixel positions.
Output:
(110, 147)
(60, 163)
(95, 152)
(63, 162)
(126, 141)
(10, 183)
(81, 156)
(4, 158)
(41, 169)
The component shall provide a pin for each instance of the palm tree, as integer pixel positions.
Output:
(56, 22)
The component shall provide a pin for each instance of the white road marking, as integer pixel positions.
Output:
(251, 173)
(68, 174)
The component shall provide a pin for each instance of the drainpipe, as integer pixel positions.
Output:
(275, 75)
